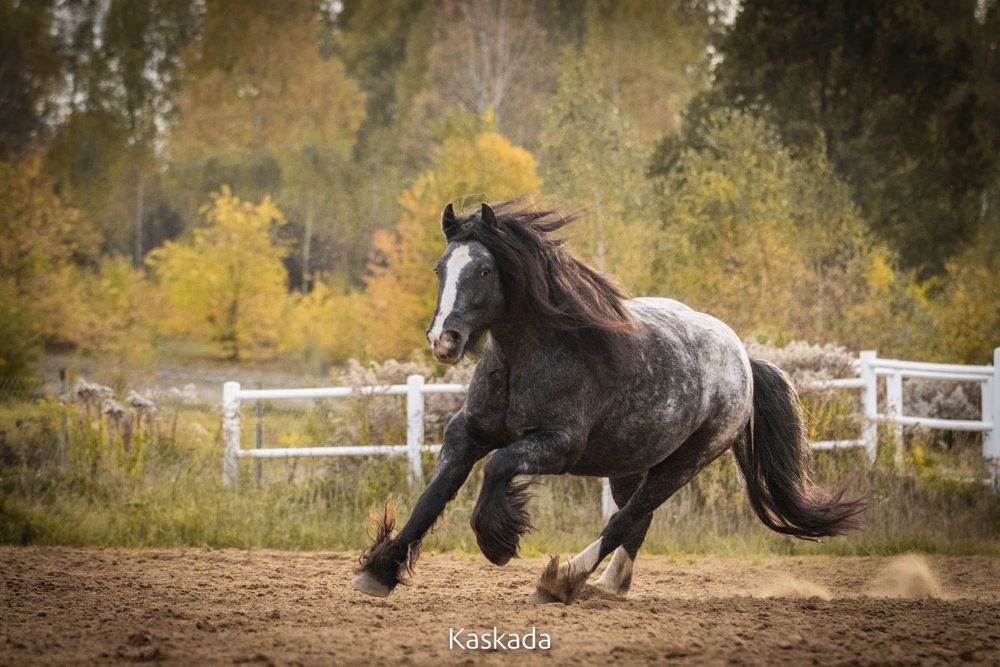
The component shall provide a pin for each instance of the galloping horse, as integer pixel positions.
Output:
(576, 378)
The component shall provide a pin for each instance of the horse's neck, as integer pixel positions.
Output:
(517, 343)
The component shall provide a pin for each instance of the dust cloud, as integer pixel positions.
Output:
(906, 576)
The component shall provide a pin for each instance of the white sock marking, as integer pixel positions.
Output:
(453, 269)
(618, 570)
(587, 559)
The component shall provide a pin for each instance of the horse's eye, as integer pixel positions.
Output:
(484, 273)
(436, 271)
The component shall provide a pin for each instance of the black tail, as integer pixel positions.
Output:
(775, 460)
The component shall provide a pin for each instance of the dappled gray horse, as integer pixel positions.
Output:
(576, 378)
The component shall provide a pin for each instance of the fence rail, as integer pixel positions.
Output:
(895, 370)
(869, 368)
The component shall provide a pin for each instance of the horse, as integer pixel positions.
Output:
(574, 377)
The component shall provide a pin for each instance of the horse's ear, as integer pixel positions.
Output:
(448, 219)
(489, 217)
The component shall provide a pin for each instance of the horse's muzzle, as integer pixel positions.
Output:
(448, 347)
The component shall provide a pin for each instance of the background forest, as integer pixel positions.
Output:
(194, 191)
(250, 181)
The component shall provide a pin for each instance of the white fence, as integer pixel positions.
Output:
(870, 368)
(414, 389)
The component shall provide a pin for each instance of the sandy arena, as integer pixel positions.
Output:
(188, 607)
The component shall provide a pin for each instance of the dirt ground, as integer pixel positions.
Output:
(192, 607)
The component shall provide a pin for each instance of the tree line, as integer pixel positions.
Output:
(263, 179)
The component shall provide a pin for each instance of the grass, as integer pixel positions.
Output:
(164, 490)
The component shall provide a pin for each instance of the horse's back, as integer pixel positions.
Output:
(685, 372)
(657, 303)
(667, 316)
(694, 342)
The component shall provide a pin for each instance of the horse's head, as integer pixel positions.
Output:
(470, 298)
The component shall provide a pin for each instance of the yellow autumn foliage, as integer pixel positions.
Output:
(115, 312)
(226, 282)
(324, 325)
(967, 312)
(39, 235)
(894, 315)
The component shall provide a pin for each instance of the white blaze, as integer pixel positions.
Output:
(460, 257)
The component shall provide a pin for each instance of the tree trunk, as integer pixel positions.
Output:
(307, 244)
(140, 194)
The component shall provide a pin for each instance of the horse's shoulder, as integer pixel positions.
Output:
(490, 374)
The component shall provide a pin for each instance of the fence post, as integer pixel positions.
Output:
(607, 502)
(415, 425)
(258, 439)
(991, 414)
(63, 417)
(894, 401)
(230, 432)
(869, 402)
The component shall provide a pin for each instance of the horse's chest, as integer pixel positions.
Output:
(487, 405)
(506, 404)
(556, 397)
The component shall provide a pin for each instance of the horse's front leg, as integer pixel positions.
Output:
(501, 516)
(386, 561)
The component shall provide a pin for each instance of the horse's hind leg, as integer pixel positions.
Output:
(563, 583)
(617, 577)
(662, 481)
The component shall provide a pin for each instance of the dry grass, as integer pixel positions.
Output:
(164, 489)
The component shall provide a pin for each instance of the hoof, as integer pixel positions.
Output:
(366, 583)
(562, 583)
(611, 589)
(499, 558)
(541, 596)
